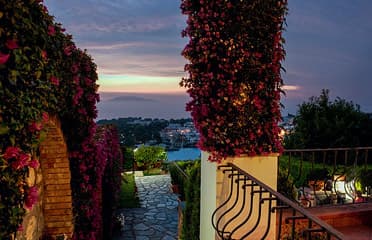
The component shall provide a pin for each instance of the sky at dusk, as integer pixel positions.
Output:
(136, 45)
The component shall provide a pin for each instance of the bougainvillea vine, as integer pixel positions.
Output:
(43, 73)
(234, 58)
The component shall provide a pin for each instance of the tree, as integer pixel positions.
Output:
(149, 156)
(322, 123)
(128, 153)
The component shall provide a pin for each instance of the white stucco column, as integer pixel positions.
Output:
(215, 187)
(207, 197)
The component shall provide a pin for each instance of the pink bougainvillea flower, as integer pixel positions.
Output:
(257, 55)
(76, 79)
(11, 44)
(45, 117)
(79, 93)
(87, 68)
(11, 152)
(68, 50)
(51, 30)
(54, 80)
(20, 228)
(21, 162)
(44, 55)
(88, 81)
(4, 58)
(31, 197)
(35, 127)
(74, 68)
(34, 163)
(45, 9)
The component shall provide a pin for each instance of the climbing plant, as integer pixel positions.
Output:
(43, 73)
(234, 79)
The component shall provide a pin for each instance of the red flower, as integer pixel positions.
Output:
(44, 55)
(35, 127)
(31, 197)
(21, 162)
(45, 9)
(4, 58)
(68, 50)
(74, 68)
(88, 81)
(45, 117)
(76, 79)
(51, 30)
(34, 163)
(54, 80)
(11, 44)
(11, 152)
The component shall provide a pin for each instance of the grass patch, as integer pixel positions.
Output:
(128, 197)
(153, 171)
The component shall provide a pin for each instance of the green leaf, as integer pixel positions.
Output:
(43, 135)
(4, 129)
(13, 77)
(12, 140)
(38, 74)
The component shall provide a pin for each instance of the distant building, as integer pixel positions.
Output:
(287, 124)
(176, 135)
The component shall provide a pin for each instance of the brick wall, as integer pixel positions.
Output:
(52, 216)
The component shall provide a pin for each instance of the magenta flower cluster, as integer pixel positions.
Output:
(234, 58)
(18, 160)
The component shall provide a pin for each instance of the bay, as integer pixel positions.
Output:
(184, 154)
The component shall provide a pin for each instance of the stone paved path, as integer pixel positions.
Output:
(157, 219)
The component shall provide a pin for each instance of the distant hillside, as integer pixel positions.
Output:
(136, 130)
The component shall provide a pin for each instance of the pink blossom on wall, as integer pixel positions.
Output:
(31, 197)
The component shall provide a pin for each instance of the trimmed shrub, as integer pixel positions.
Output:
(191, 214)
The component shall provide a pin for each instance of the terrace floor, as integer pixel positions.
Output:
(353, 220)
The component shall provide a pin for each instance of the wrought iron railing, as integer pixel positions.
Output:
(316, 177)
(247, 212)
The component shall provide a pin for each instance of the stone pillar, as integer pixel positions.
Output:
(52, 215)
(33, 222)
(55, 166)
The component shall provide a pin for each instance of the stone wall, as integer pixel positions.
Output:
(33, 223)
(52, 216)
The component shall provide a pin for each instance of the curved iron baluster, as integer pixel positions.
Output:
(231, 207)
(241, 209)
(259, 212)
(269, 212)
(252, 185)
(280, 208)
(227, 200)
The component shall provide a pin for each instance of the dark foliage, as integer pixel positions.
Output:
(322, 123)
